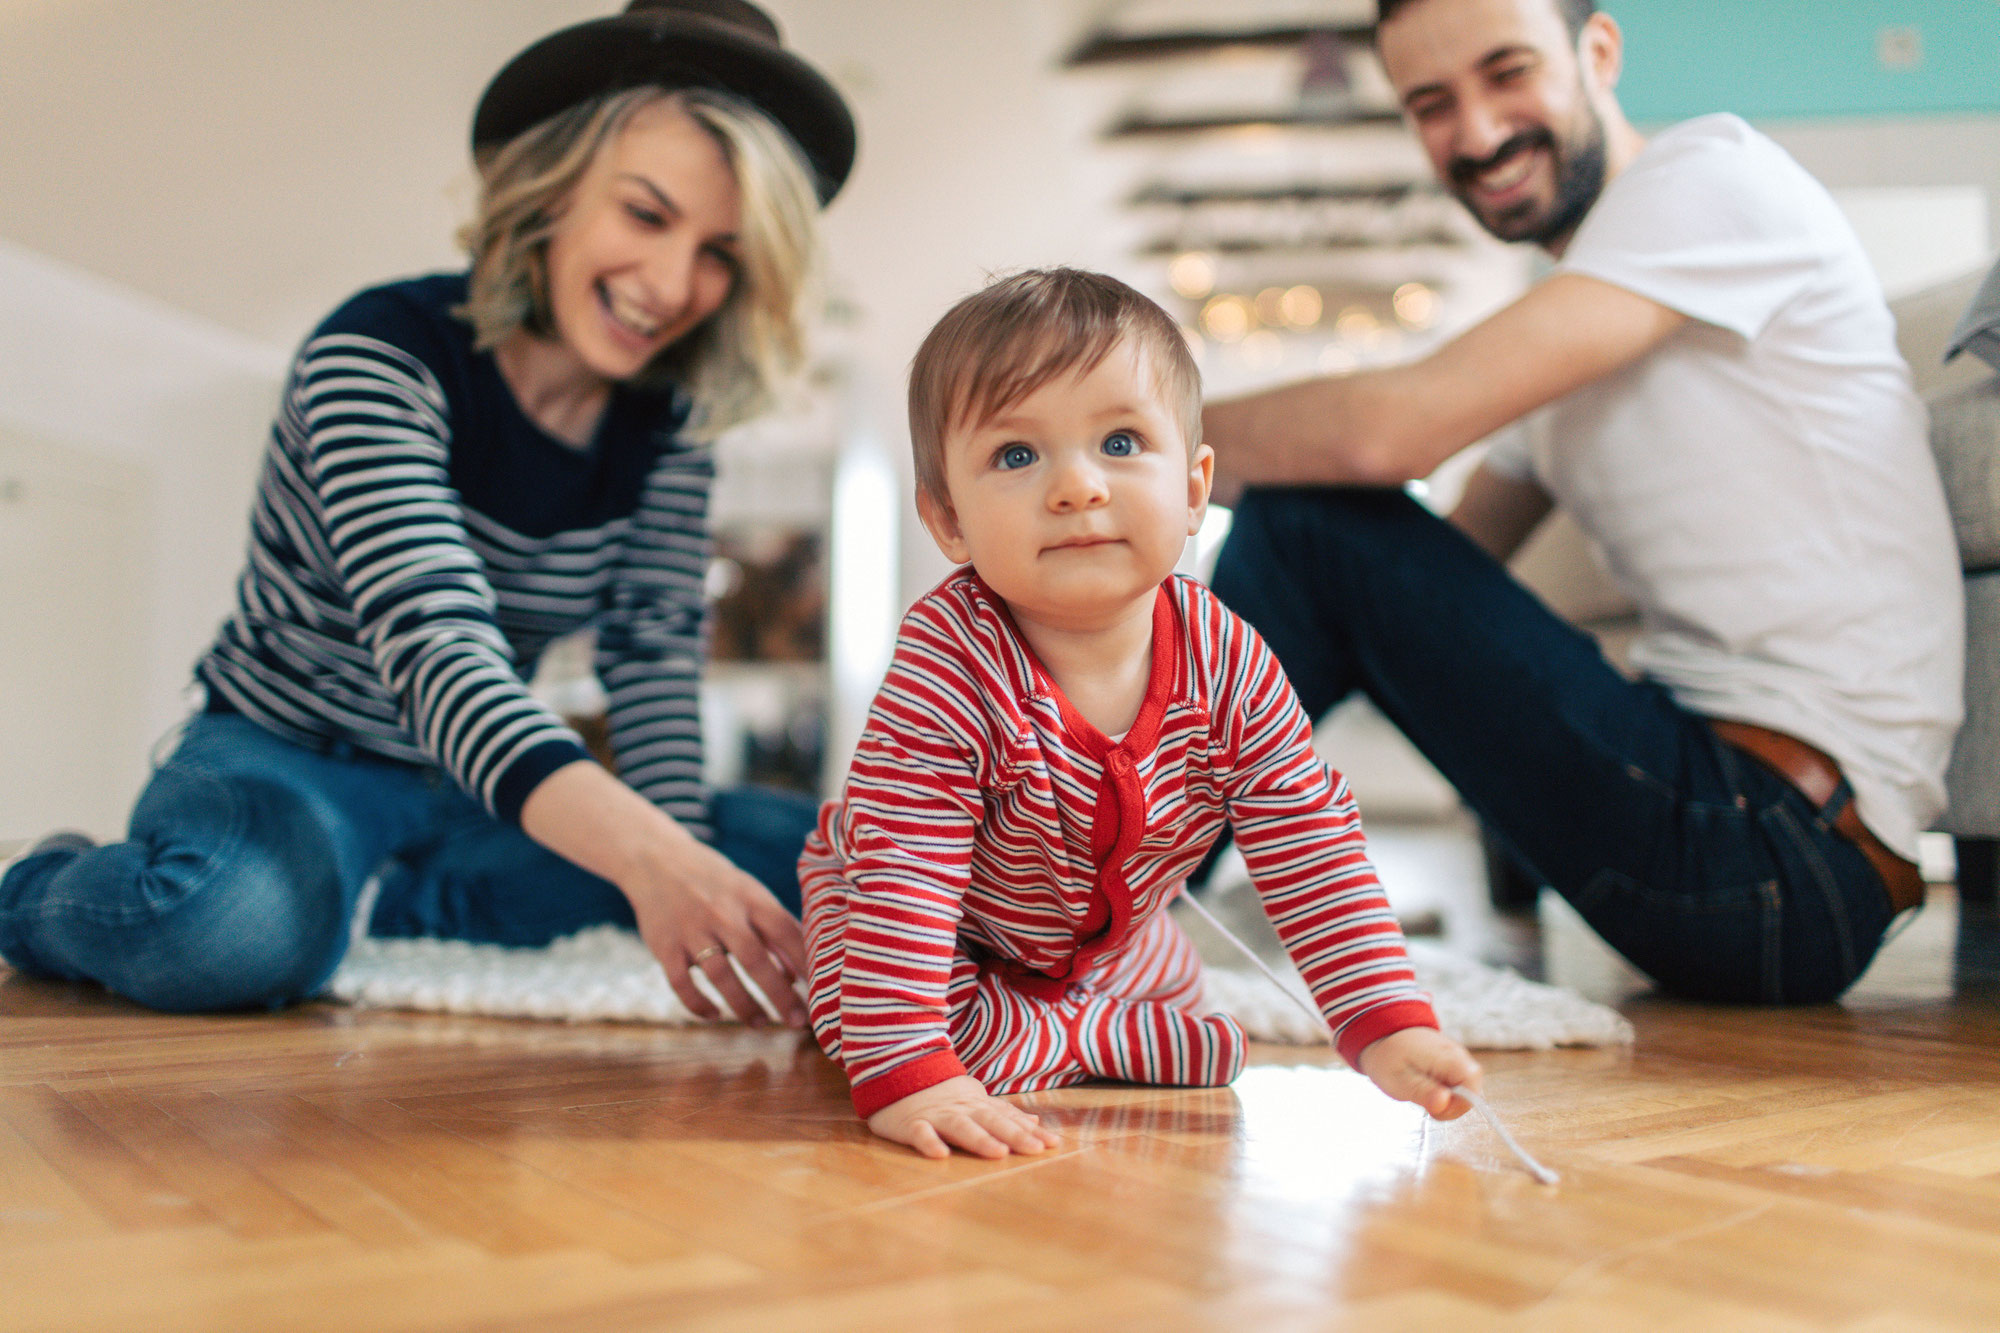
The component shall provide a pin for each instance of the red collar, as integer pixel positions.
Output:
(1161, 683)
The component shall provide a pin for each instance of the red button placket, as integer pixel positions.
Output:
(1118, 814)
(1118, 824)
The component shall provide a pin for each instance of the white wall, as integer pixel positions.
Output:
(1927, 151)
(248, 161)
(126, 426)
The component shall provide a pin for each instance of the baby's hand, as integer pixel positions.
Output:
(1418, 1065)
(958, 1113)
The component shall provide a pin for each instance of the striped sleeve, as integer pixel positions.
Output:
(1300, 833)
(652, 639)
(913, 806)
(378, 442)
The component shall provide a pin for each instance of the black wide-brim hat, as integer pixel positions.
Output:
(726, 44)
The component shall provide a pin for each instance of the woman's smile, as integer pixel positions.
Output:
(630, 314)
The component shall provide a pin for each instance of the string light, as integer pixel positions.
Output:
(1301, 307)
(1416, 305)
(1227, 318)
(1192, 274)
(1263, 349)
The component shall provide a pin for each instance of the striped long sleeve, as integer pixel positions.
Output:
(1300, 832)
(652, 640)
(912, 813)
(377, 445)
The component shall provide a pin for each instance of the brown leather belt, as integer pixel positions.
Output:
(1817, 777)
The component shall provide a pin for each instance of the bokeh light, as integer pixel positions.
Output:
(1336, 360)
(1357, 324)
(1263, 349)
(1301, 307)
(1192, 274)
(1227, 318)
(1270, 306)
(1416, 305)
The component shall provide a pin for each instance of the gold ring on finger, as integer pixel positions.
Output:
(708, 953)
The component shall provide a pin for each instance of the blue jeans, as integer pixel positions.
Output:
(247, 854)
(1714, 876)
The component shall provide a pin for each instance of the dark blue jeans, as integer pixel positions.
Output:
(247, 854)
(1715, 877)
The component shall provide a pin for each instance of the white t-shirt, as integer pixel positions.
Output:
(1761, 483)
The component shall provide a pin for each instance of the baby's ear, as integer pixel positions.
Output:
(1201, 479)
(942, 524)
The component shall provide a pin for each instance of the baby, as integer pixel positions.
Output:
(1065, 727)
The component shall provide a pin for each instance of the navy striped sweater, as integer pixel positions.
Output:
(417, 541)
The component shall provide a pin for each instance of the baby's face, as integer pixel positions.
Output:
(1077, 500)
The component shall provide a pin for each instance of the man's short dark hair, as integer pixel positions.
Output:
(1575, 13)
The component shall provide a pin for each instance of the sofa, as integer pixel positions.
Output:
(1950, 335)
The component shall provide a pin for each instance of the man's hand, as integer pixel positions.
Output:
(959, 1113)
(1421, 1065)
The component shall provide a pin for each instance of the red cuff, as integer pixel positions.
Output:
(1377, 1023)
(923, 1072)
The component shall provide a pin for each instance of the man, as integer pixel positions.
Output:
(1716, 398)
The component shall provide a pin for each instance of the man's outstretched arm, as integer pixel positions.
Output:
(1384, 427)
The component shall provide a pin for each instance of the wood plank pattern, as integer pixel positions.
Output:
(1834, 1168)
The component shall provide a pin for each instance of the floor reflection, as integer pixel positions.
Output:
(1317, 1150)
(1322, 1136)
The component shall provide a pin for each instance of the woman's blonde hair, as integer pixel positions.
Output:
(734, 363)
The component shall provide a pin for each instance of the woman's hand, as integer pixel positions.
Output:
(697, 911)
(1422, 1065)
(960, 1113)
(694, 908)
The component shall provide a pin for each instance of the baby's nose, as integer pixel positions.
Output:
(1077, 485)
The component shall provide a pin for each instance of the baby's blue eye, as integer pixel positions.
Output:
(1016, 456)
(1120, 444)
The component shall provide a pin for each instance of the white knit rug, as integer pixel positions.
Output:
(606, 974)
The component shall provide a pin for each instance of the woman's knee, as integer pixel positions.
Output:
(267, 929)
(228, 896)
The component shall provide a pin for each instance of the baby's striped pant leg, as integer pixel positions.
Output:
(1139, 1021)
(1009, 1041)
(1145, 1041)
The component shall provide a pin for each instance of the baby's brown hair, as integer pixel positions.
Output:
(1017, 334)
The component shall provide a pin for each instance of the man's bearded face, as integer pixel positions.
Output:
(1576, 162)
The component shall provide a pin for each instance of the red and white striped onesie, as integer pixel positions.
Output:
(988, 894)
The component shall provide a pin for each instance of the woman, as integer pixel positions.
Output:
(463, 468)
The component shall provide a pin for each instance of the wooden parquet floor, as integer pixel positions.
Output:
(1829, 1168)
